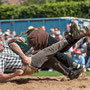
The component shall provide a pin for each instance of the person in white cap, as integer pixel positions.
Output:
(7, 36)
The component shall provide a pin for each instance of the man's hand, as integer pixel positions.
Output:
(26, 60)
(20, 39)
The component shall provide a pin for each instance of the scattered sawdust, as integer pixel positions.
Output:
(46, 83)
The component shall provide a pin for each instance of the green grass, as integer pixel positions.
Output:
(47, 73)
(53, 73)
(87, 73)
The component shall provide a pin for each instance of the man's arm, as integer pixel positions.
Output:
(15, 47)
(19, 39)
(4, 77)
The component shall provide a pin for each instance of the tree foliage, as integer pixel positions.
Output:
(73, 9)
(30, 2)
(1, 2)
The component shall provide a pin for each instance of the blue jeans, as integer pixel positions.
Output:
(88, 61)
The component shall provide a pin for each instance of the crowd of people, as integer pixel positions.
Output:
(79, 52)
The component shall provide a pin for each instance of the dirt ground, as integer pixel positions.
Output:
(46, 83)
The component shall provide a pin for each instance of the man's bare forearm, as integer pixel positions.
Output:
(17, 49)
(4, 77)
(11, 40)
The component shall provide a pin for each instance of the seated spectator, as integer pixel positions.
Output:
(1, 38)
(14, 33)
(7, 36)
(58, 36)
(43, 28)
(78, 58)
(56, 29)
(1, 32)
(67, 29)
(30, 27)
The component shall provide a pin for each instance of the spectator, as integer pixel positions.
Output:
(58, 36)
(14, 33)
(43, 28)
(1, 38)
(1, 32)
(52, 32)
(7, 36)
(56, 29)
(8, 32)
(65, 33)
(87, 49)
(78, 58)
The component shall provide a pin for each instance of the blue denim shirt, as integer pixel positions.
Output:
(79, 60)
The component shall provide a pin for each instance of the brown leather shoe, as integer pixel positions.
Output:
(29, 70)
(74, 74)
(78, 34)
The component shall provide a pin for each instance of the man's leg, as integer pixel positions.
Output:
(85, 31)
(67, 61)
(60, 67)
(41, 57)
(56, 65)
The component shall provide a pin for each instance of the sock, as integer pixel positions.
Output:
(75, 65)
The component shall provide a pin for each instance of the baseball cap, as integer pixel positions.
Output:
(77, 51)
(6, 33)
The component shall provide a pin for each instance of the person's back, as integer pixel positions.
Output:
(23, 45)
(38, 38)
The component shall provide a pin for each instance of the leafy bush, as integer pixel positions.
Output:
(61, 9)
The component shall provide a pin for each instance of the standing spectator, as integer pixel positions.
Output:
(87, 49)
(52, 32)
(78, 58)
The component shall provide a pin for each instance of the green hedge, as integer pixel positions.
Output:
(62, 9)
